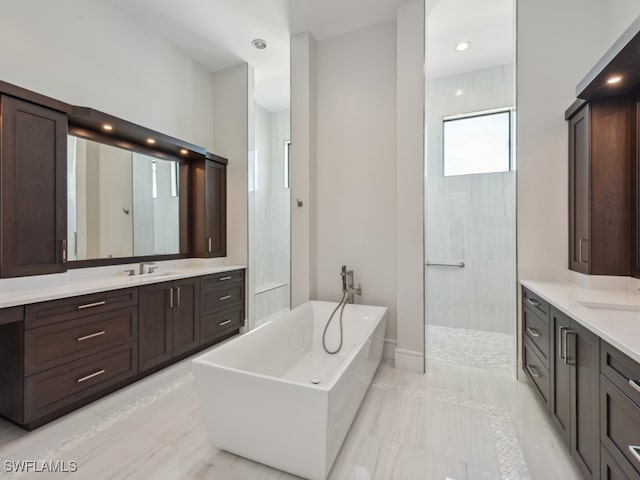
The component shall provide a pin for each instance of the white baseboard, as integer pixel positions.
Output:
(389, 349)
(409, 360)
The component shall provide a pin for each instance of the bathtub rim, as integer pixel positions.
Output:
(326, 387)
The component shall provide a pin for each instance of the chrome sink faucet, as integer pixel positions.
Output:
(151, 269)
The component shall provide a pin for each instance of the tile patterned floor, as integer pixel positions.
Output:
(474, 348)
(455, 422)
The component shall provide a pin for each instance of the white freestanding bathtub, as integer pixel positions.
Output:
(274, 396)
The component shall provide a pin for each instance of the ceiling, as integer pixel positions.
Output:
(218, 33)
(488, 25)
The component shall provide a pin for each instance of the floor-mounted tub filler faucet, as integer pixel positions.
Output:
(348, 292)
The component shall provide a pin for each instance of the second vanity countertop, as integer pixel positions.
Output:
(613, 315)
(26, 290)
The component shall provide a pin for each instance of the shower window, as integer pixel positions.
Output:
(478, 143)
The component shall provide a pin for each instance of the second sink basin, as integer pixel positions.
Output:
(611, 306)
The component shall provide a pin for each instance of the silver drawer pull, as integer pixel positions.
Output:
(634, 385)
(91, 305)
(635, 451)
(533, 332)
(94, 374)
(93, 335)
(533, 371)
(226, 297)
(226, 322)
(533, 302)
(223, 279)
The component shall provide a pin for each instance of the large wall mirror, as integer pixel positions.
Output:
(122, 203)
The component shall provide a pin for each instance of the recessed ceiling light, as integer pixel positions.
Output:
(107, 127)
(459, 93)
(184, 151)
(462, 46)
(150, 141)
(615, 79)
(259, 43)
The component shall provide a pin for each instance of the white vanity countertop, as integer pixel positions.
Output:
(613, 315)
(25, 290)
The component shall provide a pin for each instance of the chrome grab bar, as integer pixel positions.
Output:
(444, 264)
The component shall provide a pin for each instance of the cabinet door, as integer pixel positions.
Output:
(186, 315)
(216, 209)
(583, 353)
(154, 320)
(560, 375)
(34, 192)
(579, 191)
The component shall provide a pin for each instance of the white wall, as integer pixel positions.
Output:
(558, 43)
(362, 191)
(303, 167)
(90, 53)
(355, 179)
(410, 90)
(232, 133)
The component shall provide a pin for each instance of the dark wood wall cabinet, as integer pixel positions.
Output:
(33, 154)
(590, 390)
(209, 207)
(33, 182)
(604, 218)
(600, 188)
(59, 355)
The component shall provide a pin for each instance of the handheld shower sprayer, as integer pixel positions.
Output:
(348, 291)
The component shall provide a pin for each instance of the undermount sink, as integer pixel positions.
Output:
(150, 276)
(611, 306)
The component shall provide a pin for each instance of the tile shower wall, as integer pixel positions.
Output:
(272, 212)
(470, 218)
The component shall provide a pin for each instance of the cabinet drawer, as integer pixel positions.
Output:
(214, 326)
(610, 470)
(220, 279)
(536, 371)
(536, 303)
(53, 345)
(623, 372)
(536, 331)
(216, 299)
(54, 389)
(55, 311)
(620, 427)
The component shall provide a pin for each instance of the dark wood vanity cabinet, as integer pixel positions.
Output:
(574, 404)
(619, 414)
(561, 358)
(600, 135)
(209, 207)
(58, 355)
(536, 343)
(169, 320)
(222, 298)
(33, 160)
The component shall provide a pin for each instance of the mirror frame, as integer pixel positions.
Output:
(185, 198)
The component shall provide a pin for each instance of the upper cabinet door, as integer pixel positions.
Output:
(34, 193)
(216, 209)
(579, 181)
(600, 188)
